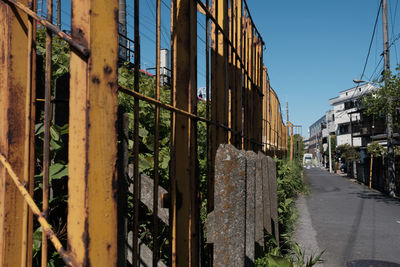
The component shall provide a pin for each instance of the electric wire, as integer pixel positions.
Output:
(369, 48)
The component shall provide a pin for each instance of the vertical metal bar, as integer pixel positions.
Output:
(221, 71)
(156, 137)
(229, 69)
(46, 142)
(136, 176)
(92, 183)
(172, 172)
(210, 142)
(184, 194)
(13, 97)
(214, 107)
(264, 110)
(29, 166)
(245, 80)
(268, 114)
(239, 87)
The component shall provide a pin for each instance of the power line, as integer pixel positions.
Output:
(372, 39)
(369, 49)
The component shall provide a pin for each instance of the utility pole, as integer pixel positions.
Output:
(58, 10)
(287, 111)
(330, 154)
(389, 117)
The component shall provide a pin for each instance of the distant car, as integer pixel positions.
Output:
(307, 159)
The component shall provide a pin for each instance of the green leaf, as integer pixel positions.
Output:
(55, 135)
(143, 132)
(37, 240)
(39, 129)
(55, 145)
(58, 171)
(276, 261)
(62, 130)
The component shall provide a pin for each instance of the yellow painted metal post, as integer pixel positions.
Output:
(370, 171)
(268, 114)
(29, 165)
(264, 110)
(219, 86)
(14, 59)
(229, 76)
(221, 70)
(239, 45)
(92, 218)
(184, 178)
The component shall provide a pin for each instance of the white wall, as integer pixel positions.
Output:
(346, 139)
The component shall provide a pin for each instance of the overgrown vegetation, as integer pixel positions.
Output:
(290, 185)
(58, 171)
(347, 152)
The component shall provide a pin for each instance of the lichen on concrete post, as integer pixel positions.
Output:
(226, 224)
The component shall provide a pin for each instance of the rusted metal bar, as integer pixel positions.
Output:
(221, 71)
(209, 142)
(214, 97)
(239, 83)
(224, 36)
(46, 141)
(156, 136)
(208, 251)
(136, 176)
(78, 46)
(92, 135)
(251, 20)
(228, 70)
(29, 166)
(246, 53)
(13, 106)
(268, 101)
(68, 259)
(233, 73)
(184, 181)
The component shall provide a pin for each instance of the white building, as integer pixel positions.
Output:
(329, 128)
(346, 116)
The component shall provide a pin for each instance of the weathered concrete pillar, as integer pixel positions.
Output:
(260, 210)
(273, 197)
(251, 172)
(226, 224)
(266, 195)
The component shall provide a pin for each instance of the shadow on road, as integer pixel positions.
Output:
(378, 197)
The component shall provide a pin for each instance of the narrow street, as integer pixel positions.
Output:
(347, 220)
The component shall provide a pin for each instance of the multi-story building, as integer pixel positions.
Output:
(347, 115)
(315, 137)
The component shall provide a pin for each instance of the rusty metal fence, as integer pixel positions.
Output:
(239, 107)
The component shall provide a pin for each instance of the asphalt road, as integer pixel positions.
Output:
(347, 220)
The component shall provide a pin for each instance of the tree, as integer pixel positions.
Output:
(376, 103)
(386, 101)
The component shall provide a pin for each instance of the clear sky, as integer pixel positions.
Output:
(315, 48)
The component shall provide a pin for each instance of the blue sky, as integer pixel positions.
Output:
(314, 48)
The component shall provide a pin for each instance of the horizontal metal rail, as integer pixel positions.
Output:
(182, 112)
(36, 211)
(66, 37)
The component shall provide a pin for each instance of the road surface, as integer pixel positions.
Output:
(347, 220)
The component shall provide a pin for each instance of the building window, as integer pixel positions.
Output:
(348, 105)
(343, 129)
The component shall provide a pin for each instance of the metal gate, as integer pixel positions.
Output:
(238, 107)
